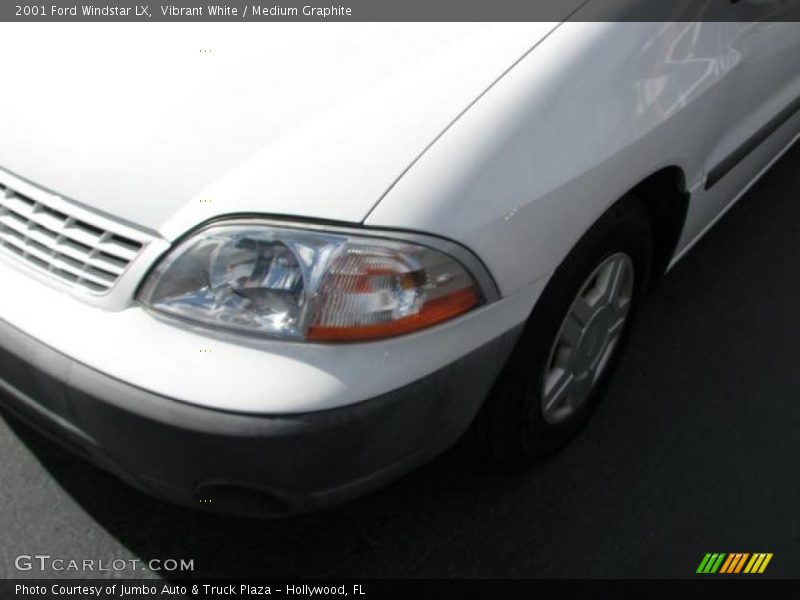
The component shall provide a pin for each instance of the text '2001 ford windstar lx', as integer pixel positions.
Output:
(277, 266)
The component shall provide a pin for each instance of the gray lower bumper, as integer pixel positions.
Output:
(261, 465)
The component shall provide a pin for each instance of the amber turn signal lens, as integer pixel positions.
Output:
(432, 312)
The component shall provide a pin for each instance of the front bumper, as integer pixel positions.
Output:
(260, 465)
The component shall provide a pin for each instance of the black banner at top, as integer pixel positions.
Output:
(400, 10)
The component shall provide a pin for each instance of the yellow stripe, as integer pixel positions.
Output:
(765, 563)
(759, 558)
(727, 562)
(741, 562)
(749, 567)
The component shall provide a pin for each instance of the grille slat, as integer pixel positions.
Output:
(118, 250)
(49, 219)
(74, 250)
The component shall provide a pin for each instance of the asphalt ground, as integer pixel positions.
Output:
(695, 449)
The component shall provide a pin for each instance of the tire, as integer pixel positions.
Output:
(514, 426)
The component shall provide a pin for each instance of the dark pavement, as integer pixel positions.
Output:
(695, 449)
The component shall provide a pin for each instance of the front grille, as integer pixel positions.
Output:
(70, 249)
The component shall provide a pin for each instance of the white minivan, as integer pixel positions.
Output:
(263, 267)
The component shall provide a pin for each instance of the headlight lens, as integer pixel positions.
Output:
(303, 284)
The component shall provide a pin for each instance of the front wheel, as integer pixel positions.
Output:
(572, 340)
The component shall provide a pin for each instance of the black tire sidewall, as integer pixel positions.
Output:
(623, 229)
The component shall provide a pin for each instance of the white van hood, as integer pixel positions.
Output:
(166, 125)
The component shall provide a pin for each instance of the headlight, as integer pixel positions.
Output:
(302, 284)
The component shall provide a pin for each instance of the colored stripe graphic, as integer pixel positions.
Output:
(758, 563)
(717, 564)
(703, 563)
(711, 563)
(727, 564)
(734, 563)
(765, 563)
(741, 562)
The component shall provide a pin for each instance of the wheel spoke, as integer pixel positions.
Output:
(619, 325)
(571, 331)
(613, 281)
(558, 388)
(582, 311)
(603, 362)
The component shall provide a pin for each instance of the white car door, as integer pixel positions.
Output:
(765, 95)
(759, 64)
